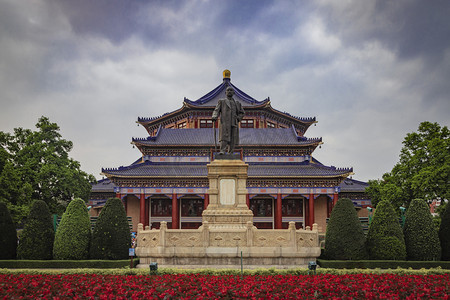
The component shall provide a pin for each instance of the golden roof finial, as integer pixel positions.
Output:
(226, 74)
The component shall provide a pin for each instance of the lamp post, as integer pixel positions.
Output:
(312, 265)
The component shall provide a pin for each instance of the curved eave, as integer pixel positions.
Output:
(307, 176)
(142, 145)
(211, 107)
(109, 175)
(150, 121)
(148, 176)
(305, 121)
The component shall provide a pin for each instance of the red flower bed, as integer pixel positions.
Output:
(362, 286)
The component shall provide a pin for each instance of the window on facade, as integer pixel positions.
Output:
(182, 125)
(271, 125)
(247, 123)
(206, 123)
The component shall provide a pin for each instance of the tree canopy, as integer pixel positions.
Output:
(35, 165)
(422, 172)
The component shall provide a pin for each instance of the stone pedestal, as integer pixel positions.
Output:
(227, 195)
(227, 232)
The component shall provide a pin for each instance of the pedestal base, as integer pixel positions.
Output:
(227, 232)
(213, 247)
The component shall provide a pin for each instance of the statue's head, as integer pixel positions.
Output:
(229, 91)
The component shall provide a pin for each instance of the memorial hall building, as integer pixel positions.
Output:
(168, 182)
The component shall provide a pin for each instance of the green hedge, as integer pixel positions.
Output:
(421, 237)
(73, 236)
(66, 264)
(8, 234)
(111, 237)
(385, 239)
(36, 240)
(444, 233)
(382, 264)
(345, 237)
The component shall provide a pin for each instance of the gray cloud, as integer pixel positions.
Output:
(369, 71)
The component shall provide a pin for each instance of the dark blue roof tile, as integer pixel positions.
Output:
(211, 98)
(351, 185)
(248, 136)
(149, 169)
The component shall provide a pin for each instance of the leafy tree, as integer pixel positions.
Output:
(73, 236)
(8, 234)
(344, 238)
(444, 233)
(35, 165)
(421, 237)
(111, 237)
(385, 239)
(36, 241)
(422, 172)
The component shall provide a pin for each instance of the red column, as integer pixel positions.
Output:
(311, 209)
(175, 221)
(206, 202)
(142, 209)
(118, 195)
(278, 216)
(335, 199)
(306, 216)
(247, 199)
(147, 206)
(329, 207)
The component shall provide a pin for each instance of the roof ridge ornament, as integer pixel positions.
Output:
(226, 74)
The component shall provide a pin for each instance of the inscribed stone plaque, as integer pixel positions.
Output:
(227, 191)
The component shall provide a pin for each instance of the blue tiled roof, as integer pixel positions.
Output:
(103, 185)
(211, 98)
(248, 136)
(304, 169)
(352, 185)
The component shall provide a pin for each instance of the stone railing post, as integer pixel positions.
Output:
(249, 234)
(162, 233)
(205, 228)
(293, 235)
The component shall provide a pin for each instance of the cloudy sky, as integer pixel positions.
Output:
(370, 71)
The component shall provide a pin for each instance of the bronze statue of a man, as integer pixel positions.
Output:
(231, 113)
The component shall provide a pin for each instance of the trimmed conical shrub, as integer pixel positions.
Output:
(444, 233)
(421, 237)
(344, 238)
(73, 236)
(8, 234)
(36, 241)
(385, 239)
(111, 237)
